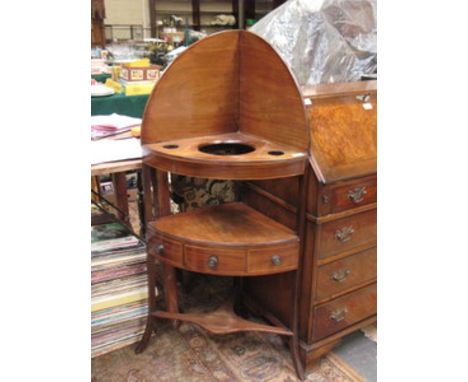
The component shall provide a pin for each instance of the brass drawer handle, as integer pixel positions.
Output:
(276, 260)
(339, 314)
(344, 234)
(160, 249)
(213, 262)
(340, 275)
(357, 195)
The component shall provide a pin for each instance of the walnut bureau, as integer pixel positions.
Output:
(338, 287)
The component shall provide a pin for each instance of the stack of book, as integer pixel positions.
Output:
(119, 288)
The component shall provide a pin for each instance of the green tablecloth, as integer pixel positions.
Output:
(132, 106)
(101, 77)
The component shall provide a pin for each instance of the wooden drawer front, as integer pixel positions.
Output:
(166, 248)
(347, 233)
(351, 195)
(338, 314)
(270, 260)
(341, 275)
(214, 261)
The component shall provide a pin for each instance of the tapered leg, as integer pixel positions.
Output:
(294, 341)
(170, 285)
(151, 304)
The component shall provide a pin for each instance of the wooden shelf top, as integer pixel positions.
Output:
(228, 225)
(226, 156)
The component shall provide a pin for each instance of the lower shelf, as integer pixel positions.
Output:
(223, 321)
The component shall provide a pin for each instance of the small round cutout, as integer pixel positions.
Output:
(171, 146)
(276, 152)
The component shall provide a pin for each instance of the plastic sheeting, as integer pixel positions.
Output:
(324, 41)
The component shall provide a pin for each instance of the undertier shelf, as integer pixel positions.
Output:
(231, 239)
(223, 321)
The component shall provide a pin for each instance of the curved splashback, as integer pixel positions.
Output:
(228, 82)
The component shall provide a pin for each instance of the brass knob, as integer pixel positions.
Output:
(213, 262)
(338, 314)
(276, 260)
(344, 234)
(357, 195)
(340, 275)
(160, 249)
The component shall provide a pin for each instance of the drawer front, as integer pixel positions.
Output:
(273, 260)
(347, 233)
(345, 311)
(353, 194)
(166, 248)
(214, 261)
(344, 274)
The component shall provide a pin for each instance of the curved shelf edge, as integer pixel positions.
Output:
(223, 321)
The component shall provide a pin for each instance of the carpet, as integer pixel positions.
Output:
(191, 354)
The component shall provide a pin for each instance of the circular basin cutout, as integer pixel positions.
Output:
(225, 148)
(276, 152)
(171, 146)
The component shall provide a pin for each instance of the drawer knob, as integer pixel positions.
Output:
(340, 275)
(339, 314)
(357, 195)
(160, 249)
(213, 262)
(344, 234)
(276, 260)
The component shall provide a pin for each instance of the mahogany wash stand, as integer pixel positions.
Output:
(227, 108)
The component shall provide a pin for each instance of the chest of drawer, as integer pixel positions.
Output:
(345, 311)
(169, 249)
(341, 197)
(342, 275)
(347, 233)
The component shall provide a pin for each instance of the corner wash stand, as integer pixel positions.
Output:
(227, 108)
(301, 241)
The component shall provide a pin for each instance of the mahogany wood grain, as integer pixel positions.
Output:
(261, 261)
(271, 103)
(287, 189)
(164, 209)
(275, 209)
(238, 239)
(173, 250)
(311, 353)
(198, 93)
(229, 225)
(344, 311)
(223, 321)
(342, 196)
(184, 157)
(227, 82)
(345, 274)
(230, 261)
(148, 200)
(347, 233)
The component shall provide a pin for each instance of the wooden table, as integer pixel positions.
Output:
(117, 170)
